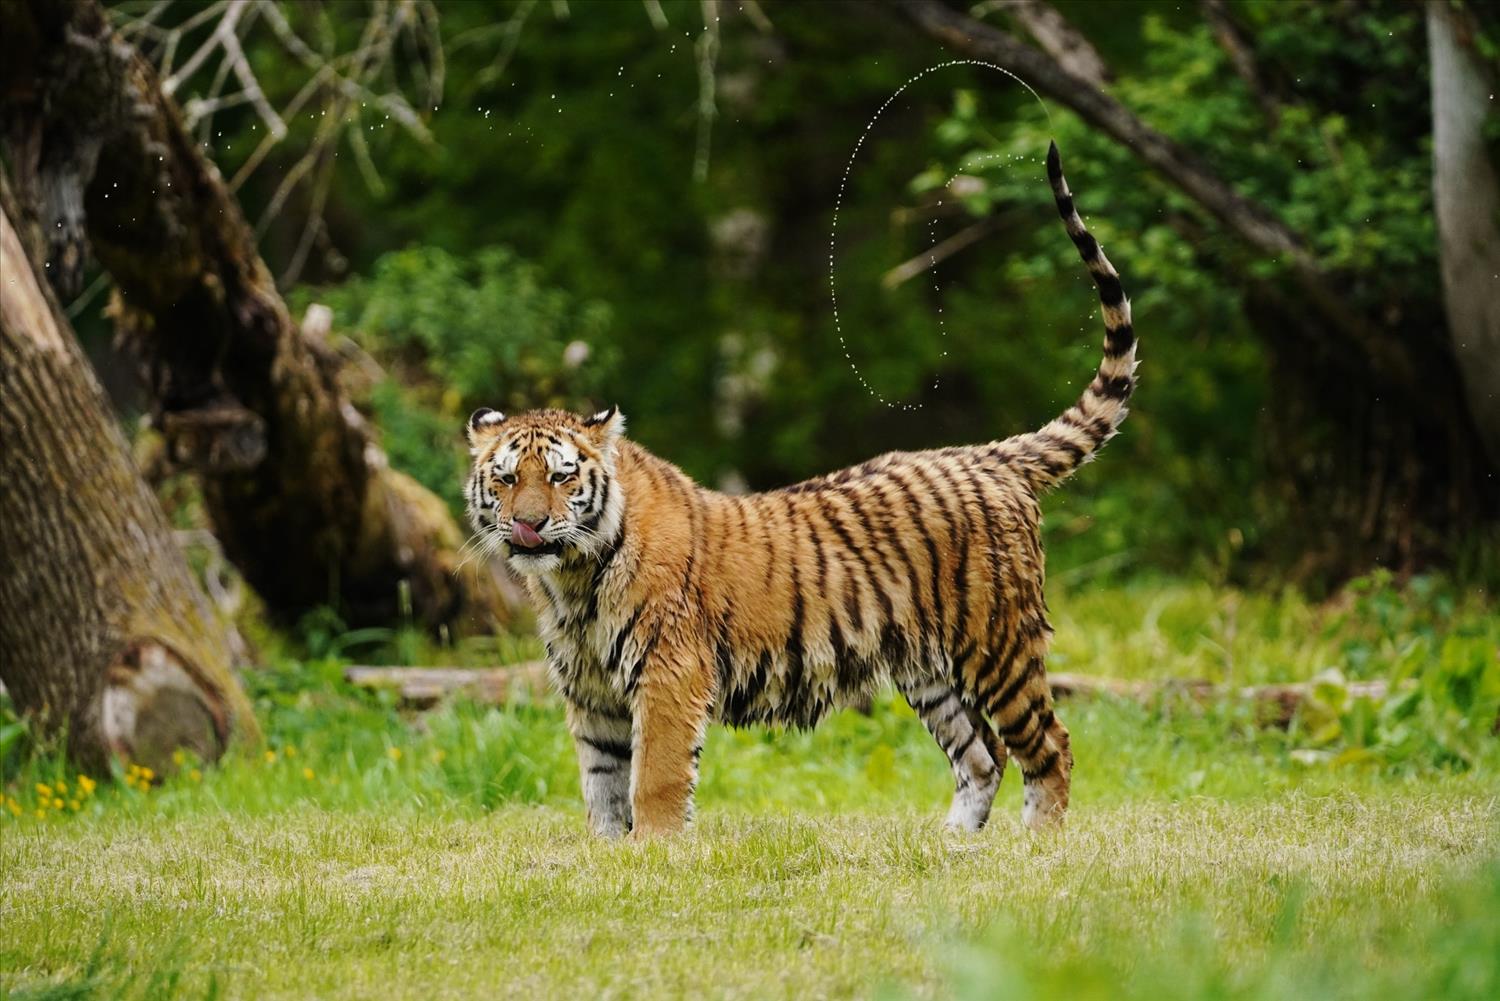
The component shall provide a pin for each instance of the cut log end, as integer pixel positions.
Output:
(154, 704)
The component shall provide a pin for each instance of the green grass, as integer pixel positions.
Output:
(366, 851)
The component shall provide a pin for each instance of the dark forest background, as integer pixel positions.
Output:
(570, 187)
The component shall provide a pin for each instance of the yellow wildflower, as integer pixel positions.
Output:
(270, 757)
(40, 813)
(438, 755)
(44, 791)
(195, 775)
(179, 757)
(147, 774)
(13, 806)
(74, 805)
(394, 753)
(57, 804)
(86, 784)
(307, 773)
(290, 752)
(62, 787)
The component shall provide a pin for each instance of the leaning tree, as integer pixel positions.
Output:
(105, 636)
(300, 495)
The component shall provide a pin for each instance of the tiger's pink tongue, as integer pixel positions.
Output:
(523, 534)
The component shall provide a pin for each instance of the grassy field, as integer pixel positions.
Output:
(369, 852)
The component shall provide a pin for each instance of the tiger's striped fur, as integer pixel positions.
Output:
(665, 606)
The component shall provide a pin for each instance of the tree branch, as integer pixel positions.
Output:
(1057, 37)
(1232, 40)
(1248, 221)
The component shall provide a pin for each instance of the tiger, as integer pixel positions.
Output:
(665, 606)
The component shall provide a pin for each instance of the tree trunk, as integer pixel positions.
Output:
(1466, 189)
(105, 637)
(300, 495)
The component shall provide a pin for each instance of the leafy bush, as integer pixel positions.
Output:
(451, 334)
(1442, 665)
(482, 327)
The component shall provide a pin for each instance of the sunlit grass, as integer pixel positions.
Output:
(369, 851)
(309, 902)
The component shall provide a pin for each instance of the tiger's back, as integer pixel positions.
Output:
(664, 605)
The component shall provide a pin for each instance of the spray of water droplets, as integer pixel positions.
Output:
(833, 292)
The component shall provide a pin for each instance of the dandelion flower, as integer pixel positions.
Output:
(40, 813)
(307, 773)
(57, 804)
(147, 774)
(195, 775)
(270, 757)
(13, 807)
(86, 784)
(290, 752)
(62, 787)
(74, 805)
(44, 791)
(179, 757)
(394, 753)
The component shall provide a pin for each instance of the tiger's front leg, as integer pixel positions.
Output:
(603, 740)
(671, 714)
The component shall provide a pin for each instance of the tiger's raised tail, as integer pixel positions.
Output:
(1052, 454)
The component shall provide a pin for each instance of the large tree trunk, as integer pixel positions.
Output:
(1467, 192)
(300, 495)
(1373, 444)
(105, 636)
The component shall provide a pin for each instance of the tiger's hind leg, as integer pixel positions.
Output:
(976, 754)
(1023, 717)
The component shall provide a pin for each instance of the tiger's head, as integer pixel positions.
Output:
(542, 486)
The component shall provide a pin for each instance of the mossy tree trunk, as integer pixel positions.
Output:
(300, 494)
(105, 635)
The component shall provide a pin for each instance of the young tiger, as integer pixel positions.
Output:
(665, 605)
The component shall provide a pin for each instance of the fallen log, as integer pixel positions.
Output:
(1280, 701)
(425, 686)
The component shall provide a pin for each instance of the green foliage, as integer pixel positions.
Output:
(1444, 674)
(483, 327)
(452, 334)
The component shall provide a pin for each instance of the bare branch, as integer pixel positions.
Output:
(708, 58)
(235, 55)
(932, 257)
(510, 38)
(1231, 38)
(655, 14)
(225, 28)
(1057, 37)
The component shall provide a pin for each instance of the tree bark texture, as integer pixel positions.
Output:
(1466, 189)
(1371, 436)
(104, 636)
(300, 494)
(1059, 39)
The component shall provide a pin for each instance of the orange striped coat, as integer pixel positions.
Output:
(665, 606)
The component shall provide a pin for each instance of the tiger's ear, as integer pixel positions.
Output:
(483, 425)
(604, 427)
